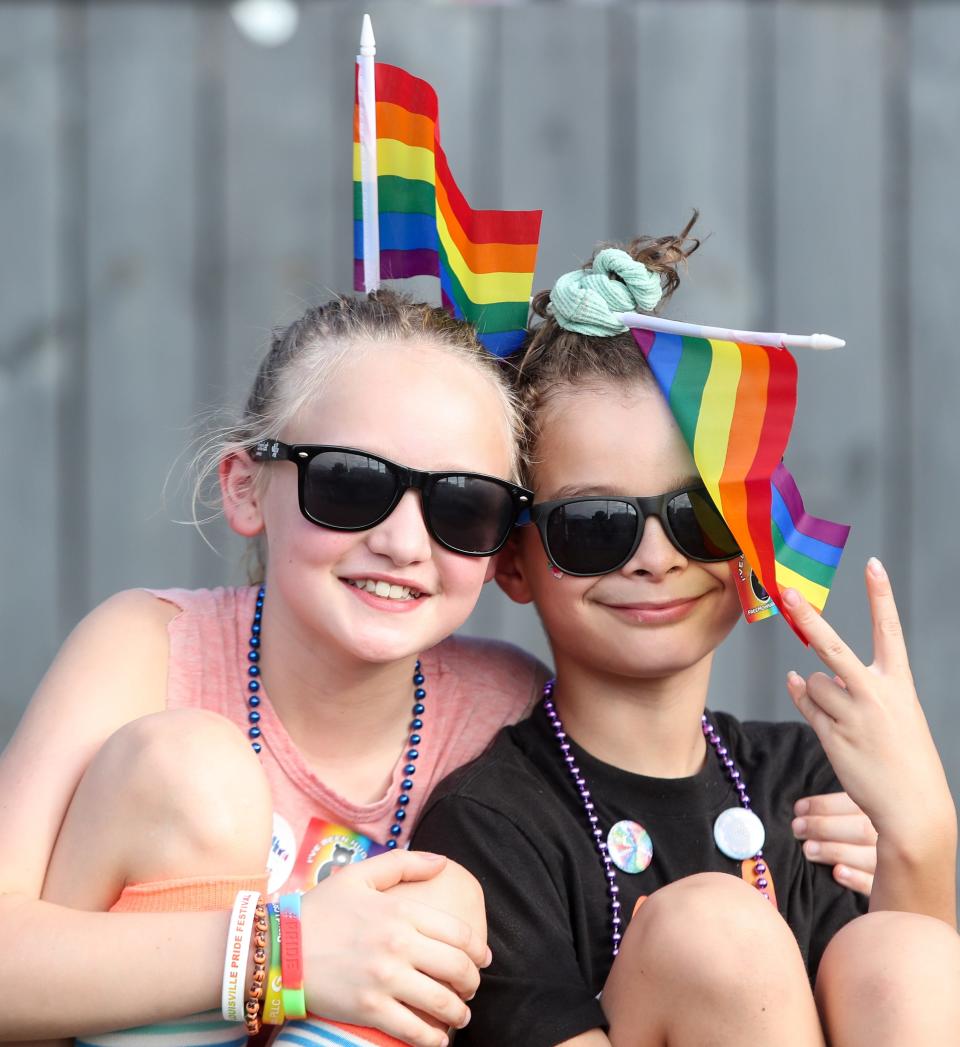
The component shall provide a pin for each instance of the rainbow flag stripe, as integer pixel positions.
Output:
(735, 404)
(483, 259)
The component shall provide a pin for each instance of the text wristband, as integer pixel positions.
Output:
(291, 957)
(273, 1013)
(238, 948)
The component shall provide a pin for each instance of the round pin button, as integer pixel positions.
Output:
(630, 846)
(738, 833)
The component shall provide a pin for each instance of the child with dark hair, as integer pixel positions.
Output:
(642, 883)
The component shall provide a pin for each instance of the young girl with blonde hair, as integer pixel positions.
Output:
(182, 736)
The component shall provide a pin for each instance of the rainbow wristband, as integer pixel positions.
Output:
(291, 957)
(273, 1013)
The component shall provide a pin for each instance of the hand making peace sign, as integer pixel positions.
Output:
(870, 723)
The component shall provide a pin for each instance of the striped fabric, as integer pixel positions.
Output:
(197, 1030)
(484, 259)
(321, 1032)
(734, 404)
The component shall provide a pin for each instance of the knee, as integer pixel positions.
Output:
(888, 959)
(700, 924)
(719, 905)
(193, 786)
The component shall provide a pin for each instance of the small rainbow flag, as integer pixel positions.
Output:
(735, 404)
(484, 259)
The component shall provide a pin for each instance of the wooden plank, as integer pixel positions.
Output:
(830, 164)
(555, 138)
(692, 146)
(31, 348)
(140, 289)
(546, 147)
(693, 149)
(929, 495)
(287, 197)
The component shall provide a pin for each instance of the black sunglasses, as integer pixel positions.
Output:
(350, 490)
(596, 535)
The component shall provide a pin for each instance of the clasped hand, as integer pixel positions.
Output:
(373, 957)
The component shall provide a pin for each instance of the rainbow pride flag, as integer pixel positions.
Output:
(484, 259)
(735, 405)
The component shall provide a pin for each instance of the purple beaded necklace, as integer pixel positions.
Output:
(255, 732)
(603, 850)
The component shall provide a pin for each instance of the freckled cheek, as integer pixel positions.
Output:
(562, 602)
(303, 542)
(461, 575)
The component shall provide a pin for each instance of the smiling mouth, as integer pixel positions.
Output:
(666, 605)
(645, 612)
(384, 589)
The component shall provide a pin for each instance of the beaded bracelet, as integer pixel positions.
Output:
(291, 956)
(238, 947)
(273, 1013)
(251, 1010)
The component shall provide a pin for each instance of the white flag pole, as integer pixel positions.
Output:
(367, 99)
(777, 340)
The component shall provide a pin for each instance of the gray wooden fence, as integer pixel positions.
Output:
(169, 191)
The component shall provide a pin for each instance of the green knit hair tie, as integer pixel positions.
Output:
(587, 300)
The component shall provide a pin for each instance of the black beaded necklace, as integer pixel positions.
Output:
(255, 732)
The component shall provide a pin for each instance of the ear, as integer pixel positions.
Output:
(510, 570)
(241, 502)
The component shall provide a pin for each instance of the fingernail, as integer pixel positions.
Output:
(840, 871)
(791, 597)
(876, 568)
(801, 807)
(794, 679)
(488, 959)
(799, 827)
(430, 857)
(811, 848)
(464, 1022)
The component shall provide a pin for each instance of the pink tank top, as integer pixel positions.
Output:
(475, 687)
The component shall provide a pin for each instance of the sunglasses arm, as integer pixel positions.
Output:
(271, 451)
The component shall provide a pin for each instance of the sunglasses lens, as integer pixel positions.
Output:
(348, 489)
(592, 536)
(699, 528)
(470, 514)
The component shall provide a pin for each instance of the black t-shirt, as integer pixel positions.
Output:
(515, 820)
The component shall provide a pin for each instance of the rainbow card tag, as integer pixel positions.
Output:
(754, 599)
(326, 849)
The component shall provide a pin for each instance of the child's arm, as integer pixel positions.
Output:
(873, 730)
